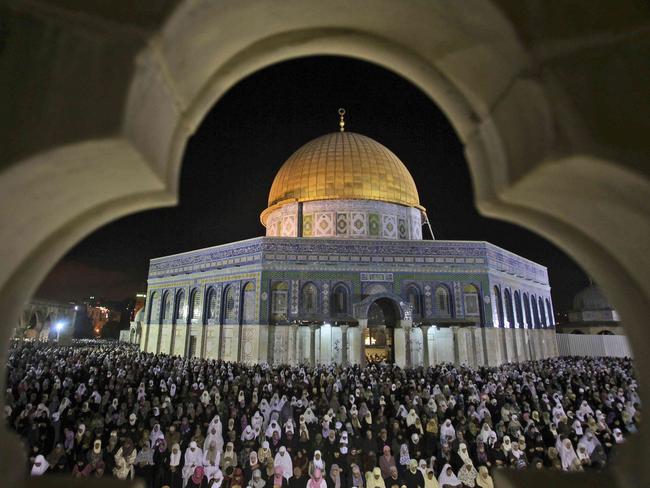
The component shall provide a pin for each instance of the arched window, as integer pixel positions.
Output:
(542, 312)
(229, 311)
(249, 302)
(605, 332)
(279, 300)
(519, 315)
(549, 312)
(153, 307)
(510, 314)
(413, 299)
(470, 297)
(167, 306)
(309, 298)
(339, 299)
(211, 304)
(577, 332)
(195, 304)
(529, 317)
(181, 309)
(533, 302)
(442, 300)
(499, 305)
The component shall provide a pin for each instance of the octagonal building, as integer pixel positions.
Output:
(343, 275)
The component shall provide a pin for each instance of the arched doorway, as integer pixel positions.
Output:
(379, 336)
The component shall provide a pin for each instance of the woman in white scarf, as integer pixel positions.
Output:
(283, 459)
(484, 480)
(310, 418)
(193, 458)
(566, 452)
(229, 457)
(155, 434)
(467, 475)
(583, 411)
(316, 463)
(374, 479)
(214, 435)
(264, 453)
(257, 420)
(272, 428)
(411, 417)
(430, 480)
(506, 446)
(464, 454)
(40, 466)
(486, 433)
(248, 434)
(589, 441)
(447, 431)
(447, 477)
(211, 459)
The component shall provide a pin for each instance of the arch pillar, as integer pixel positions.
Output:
(312, 344)
(425, 345)
(407, 325)
(344, 345)
(363, 325)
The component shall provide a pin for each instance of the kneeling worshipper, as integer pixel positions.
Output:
(40, 466)
(413, 476)
(467, 475)
(283, 460)
(374, 479)
(448, 479)
(484, 480)
(317, 480)
(278, 480)
(430, 480)
(198, 479)
(193, 458)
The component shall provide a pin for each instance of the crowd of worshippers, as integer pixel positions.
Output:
(109, 410)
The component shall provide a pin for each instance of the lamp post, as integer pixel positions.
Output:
(59, 327)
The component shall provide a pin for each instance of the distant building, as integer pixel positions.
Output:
(40, 318)
(592, 314)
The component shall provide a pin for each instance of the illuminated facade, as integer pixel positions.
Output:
(343, 276)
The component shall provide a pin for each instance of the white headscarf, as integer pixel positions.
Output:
(42, 466)
(175, 459)
(445, 479)
(447, 429)
(318, 463)
(567, 453)
(283, 459)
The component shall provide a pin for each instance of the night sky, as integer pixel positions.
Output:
(230, 162)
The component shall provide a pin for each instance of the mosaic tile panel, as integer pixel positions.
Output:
(324, 224)
(389, 226)
(289, 226)
(402, 229)
(373, 224)
(308, 225)
(358, 224)
(342, 225)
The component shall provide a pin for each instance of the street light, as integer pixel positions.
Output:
(59, 327)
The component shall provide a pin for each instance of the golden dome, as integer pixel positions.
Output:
(342, 166)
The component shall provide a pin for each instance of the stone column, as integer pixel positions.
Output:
(363, 325)
(425, 345)
(344, 345)
(294, 334)
(271, 345)
(454, 334)
(312, 344)
(408, 360)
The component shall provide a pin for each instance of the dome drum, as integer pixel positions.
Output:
(352, 219)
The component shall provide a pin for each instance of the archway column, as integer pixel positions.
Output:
(363, 325)
(344, 345)
(294, 348)
(407, 325)
(312, 344)
(425, 345)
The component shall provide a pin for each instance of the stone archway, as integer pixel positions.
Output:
(526, 103)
